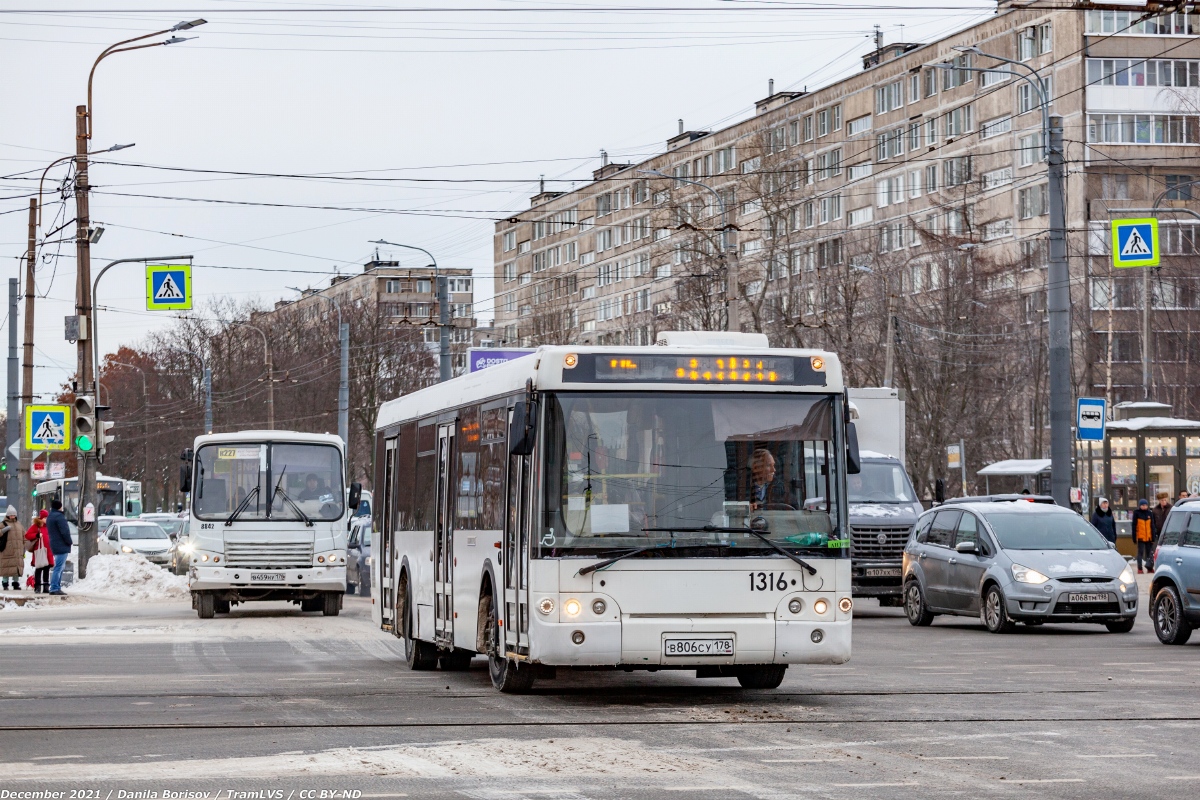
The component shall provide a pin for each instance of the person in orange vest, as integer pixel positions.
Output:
(1145, 531)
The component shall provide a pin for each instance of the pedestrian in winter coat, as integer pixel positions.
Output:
(38, 536)
(12, 551)
(1102, 520)
(1145, 531)
(60, 544)
(1161, 510)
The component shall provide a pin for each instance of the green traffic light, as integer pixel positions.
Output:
(84, 444)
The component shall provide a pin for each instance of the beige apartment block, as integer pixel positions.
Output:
(901, 214)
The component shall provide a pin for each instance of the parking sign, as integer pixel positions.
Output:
(1089, 419)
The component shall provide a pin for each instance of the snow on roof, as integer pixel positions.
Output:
(1017, 466)
(1141, 404)
(873, 454)
(1142, 423)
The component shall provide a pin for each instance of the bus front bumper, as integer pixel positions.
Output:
(642, 642)
(319, 579)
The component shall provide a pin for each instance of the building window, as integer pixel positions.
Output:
(995, 127)
(823, 122)
(1114, 186)
(1034, 41)
(889, 97)
(829, 164)
(1179, 187)
(993, 77)
(831, 208)
(806, 127)
(914, 136)
(914, 87)
(837, 118)
(931, 181)
(1143, 129)
(931, 81)
(1029, 149)
(959, 73)
(960, 120)
(1132, 72)
(858, 125)
(391, 286)
(859, 171)
(829, 252)
(510, 272)
(1033, 202)
(914, 183)
(997, 178)
(1027, 98)
(889, 191)
(860, 216)
(1126, 23)
(997, 230)
(510, 241)
(956, 171)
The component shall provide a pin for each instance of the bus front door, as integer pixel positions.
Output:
(443, 543)
(383, 546)
(515, 612)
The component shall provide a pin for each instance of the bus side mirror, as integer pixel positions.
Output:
(853, 458)
(939, 491)
(522, 431)
(185, 477)
(128, 507)
(355, 496)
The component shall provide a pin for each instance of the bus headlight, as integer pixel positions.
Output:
(845, 604)
(599, 607)
(320, 559)
(126, 548)
(820, 606)
(795, 606)
(572, 607)
(204, 556)
(546, 606)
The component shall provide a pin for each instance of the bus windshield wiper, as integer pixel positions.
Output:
(757, 533)
(242, 505)
(637, 550)
(287, 498)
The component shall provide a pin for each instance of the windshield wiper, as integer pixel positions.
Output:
(718, 529)
(242, 505)
(288, 499)
(609, 562)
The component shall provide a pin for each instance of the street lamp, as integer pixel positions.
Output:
(443, 298)
(733, 316)
(270, 372)
(1058, 289)
(343, 366)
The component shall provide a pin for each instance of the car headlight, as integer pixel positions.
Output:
(370, 562)
(187, 547)
(1127, 575)
(1027, 575)
(126, 548)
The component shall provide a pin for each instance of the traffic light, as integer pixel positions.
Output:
(103, 437)
(85, 423)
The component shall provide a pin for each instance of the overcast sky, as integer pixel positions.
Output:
(445, 120)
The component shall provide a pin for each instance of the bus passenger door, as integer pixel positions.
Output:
(383, 547)
(515, 610)
(443, 542)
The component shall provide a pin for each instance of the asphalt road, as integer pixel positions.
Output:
(139, 698)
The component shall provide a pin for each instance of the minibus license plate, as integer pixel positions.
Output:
(1087, 597)
(266, 576)
(883, 572)
(698, 647)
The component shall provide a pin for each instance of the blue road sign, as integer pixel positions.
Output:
(1090, 413)
(47, 427)
(484, 357)
(168, 287)
(1135, 243)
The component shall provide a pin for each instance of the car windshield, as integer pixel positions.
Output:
(656, 469)
(169, 525)
(880, 482)
(289, 479)
(141, 532)
(1029, 530)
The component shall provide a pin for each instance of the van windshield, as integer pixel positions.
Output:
(880, 482)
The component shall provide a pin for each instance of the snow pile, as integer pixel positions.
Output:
(9, 604)
(130, 577)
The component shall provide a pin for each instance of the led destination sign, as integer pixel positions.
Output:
(699, 369)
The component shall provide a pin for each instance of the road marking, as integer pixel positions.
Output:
(962, 758)
(1128, 664)
(1183, 777)
(701, 788)
(1048, 780)
(871, 785)
(797, 760)
(1121, 755)
(52, 758)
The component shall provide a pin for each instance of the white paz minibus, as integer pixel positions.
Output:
(679, 506)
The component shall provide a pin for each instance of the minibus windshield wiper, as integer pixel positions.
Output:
(295, 507)
(609, 562)
(242, 506)
(755, 532)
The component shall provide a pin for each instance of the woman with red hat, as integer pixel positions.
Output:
(38, 543)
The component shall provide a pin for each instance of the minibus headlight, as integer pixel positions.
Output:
(572, 607)
(820, 606)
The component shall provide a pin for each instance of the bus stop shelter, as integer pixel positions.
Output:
(1032, 474)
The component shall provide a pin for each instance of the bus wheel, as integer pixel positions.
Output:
(768, 676)
(221, 606)
(205, 605)
(331, 604)
(419, 655)
(507, 675)
(311, 605)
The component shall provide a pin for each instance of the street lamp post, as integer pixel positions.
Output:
(145, 418)
(270, 372)
(83, 262)
(1058, 286)
(443, 298)
(733, 298)
(343, 369)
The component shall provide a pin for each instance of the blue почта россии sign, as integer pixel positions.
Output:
(484, 357)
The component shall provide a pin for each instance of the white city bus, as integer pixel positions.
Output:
(269, 517)
(115, 497)
(679, 506)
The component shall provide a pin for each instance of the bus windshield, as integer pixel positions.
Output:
(683, 472)
(276, 481)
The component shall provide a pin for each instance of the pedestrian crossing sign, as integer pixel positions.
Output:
(1135, 242)
(168, 287)
(47, 427)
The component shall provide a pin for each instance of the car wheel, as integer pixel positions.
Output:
(1120, 625)
(1170, 625)
(993, 613)
(507, 675)
(419, 655)
(768, 676)
(915, 609)
(350, 587)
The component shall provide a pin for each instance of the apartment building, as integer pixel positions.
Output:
(399, 296)
(916, 183)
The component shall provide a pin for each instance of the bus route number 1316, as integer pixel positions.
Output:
(766, 581)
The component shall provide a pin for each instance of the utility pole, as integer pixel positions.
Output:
(208, 423)
(889, 349)
(13, 425)
(1058, 304)
(344, 382)
(443, 298)
(86, 465)
(25, 479)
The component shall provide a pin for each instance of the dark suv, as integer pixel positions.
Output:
(1175, 588)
